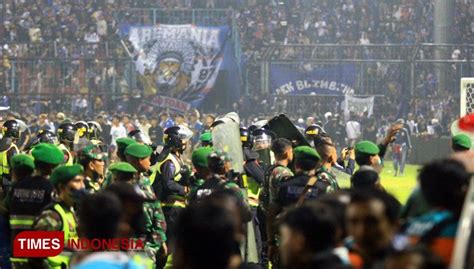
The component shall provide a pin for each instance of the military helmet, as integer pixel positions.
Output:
(95, 130)
(262, 138)
(176, 137)
(82, 128)
(246, 137)
(11, 128)
(66, 131)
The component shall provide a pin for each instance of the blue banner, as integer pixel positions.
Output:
(333, 80)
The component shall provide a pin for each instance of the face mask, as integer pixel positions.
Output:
(78, 195)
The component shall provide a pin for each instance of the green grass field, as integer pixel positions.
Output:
(400, 187)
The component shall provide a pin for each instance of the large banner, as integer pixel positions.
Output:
(178, 61)
(358, 105)
(333, 80)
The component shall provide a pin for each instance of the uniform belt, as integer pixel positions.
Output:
(174, 204)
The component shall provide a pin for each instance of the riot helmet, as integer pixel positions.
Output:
(11, 128)
(176, 137)
(95, 130)
(82, 128)
(66, 132)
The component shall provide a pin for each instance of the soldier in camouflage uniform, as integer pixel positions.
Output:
(122, 144)
(138, 155)
(199, 160)
(328, 154)
(93, 161)
(60, 215)
(274, 176)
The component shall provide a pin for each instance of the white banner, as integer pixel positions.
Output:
(358, 105)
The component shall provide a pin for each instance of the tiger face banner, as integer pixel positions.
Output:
(178, 61)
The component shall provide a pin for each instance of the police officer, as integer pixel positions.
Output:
(93, 161)
(43, 136)
(461, 142)
(94, 133)
(82, 136)
(20, 202)
(60, 215)
(200, 164)
(66, 133)
(8, 148)
(168, 182)
(312, 132)
(138, 155)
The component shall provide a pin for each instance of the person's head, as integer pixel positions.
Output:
(366, 178)
(138, 155)
(154, 122)
(11, 129)
(199, 159)
(372, 220)
(193, 117)
(66, 132)
(216, 162)
(69, 182)
(367, 153)
(204, 237)
(93, 161)
(132, 198)
(282, 149)
(22, 166)
(444, 184)
(179, 119)
(337, 202)
(209, 119)
(306, 231)
(122, 171)
(164, 116)
(306, 158)
(416, 257)
(99, 222)
(126, 119)
(116, 120)
(176, 138)
(206, 139)
(327, 151)
(461, 142)
(47, 157)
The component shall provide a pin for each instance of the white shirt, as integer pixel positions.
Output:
(117, 132)
(353, 130)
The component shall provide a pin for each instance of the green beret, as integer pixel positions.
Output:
(64, 173)
(199, 156)
(366, 147)
(306, 152)
(22, 161)
(206, 137)
(122, 167)
(124, 142)
(462, 140)
(48, 153)
(93, 152)
(138, 151)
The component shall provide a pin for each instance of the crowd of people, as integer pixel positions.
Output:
(177, 186)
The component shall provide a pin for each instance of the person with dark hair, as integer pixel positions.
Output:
(461, 142)
(138, 155)
(443, 184)
(60, 215)
(8, 148)
(372, 221)
(30, 194)
(199, 158)
(101, 223)
(205, 238)
(366, 178)
(93, 161)
(414, 258)
(328, 153)
(308, 238)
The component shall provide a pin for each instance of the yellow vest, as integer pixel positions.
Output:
(253, 192)
(70, 232)
(5, 167)
(70, 160)
(143, 261)
(157, 168)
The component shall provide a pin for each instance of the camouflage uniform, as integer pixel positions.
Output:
(326, 176)
(155, 221)
(277, 176)
(91, 186)
(49, 220)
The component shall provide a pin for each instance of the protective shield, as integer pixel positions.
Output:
(265, 156)
(226, 138)
(283, 128)
(343, 179)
